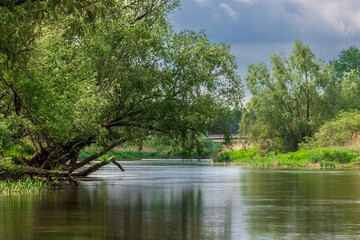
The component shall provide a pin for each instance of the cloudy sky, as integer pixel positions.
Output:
(255, 29)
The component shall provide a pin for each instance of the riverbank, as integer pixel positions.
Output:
(334, 157)
(155, 150)
(24, 185)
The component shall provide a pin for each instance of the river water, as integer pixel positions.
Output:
(153, 200)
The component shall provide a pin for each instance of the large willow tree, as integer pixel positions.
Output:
(291, 99)
(91, 72)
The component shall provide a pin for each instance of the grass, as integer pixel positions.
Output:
(154, 149)
(124, 155)
(24, 185)
(332, 157)
(134, 155)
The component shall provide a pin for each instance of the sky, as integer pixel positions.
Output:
(256, 29)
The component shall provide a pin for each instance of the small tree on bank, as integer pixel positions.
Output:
(290, 100)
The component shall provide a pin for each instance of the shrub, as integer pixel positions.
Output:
(338, 132)
(222, 156)
(332, 155)
(239, 155)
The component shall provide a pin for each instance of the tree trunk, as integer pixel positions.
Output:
(96, 167)
(39, 171)
(96, 155)
(91, 169)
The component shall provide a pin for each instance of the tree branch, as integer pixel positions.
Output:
(96, 155)
(91, 169)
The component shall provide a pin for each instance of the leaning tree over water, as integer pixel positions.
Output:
(100, 73)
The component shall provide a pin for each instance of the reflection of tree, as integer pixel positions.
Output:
(99, 210)
(303, 203)
(54, 215)
(157, 214)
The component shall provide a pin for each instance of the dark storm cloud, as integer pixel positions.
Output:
(252, 22)
(258, 28)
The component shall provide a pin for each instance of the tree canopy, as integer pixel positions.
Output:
(290, 99)
(348, 60)
(76, 73)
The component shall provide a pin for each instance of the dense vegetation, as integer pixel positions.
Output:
(24, 185)
(303, 112)
(296, 95)
(313, 158)
(75, 74)
(79, 78)
(156, 150)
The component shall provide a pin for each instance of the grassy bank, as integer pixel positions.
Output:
(333, 157)
(24, 185)
(153, 149)
(132, 155)
(129, 155)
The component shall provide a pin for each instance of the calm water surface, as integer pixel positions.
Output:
(190, 202)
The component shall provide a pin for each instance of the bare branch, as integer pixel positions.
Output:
(112, 159)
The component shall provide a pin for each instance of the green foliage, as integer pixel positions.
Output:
(348, 60)
(158, 150)
(24, 185)
(223, 156)
(337, 132)
(247, 154)
(326, 157)
(5, 136)
(350, 90)
(75, 73)
(123, 155)
(19, 152)
(332, 155)
(7, 164)
(290, 100)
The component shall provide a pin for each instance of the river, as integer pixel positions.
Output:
(153, 200)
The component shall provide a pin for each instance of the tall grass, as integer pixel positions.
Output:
(323, 157)
(24, 185)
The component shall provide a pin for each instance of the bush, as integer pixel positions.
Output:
(332, 155)
(335, 133)
(18, 152)
(7, 164)
(222, 156)
(239, 155)
(326, 157)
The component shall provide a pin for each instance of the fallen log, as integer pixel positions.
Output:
(63, 174)
(91, 169)
(39, 171)
(95, 156)
(33, 170)
(96, 167)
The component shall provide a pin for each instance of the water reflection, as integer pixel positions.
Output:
(318, 205)
(190, 202)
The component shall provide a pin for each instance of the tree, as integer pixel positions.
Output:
(348, 60)
(350, 90)
(340, 131)
(347, 68)
(80, 73)
(290, 100)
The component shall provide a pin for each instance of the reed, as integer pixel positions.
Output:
(24, 185)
